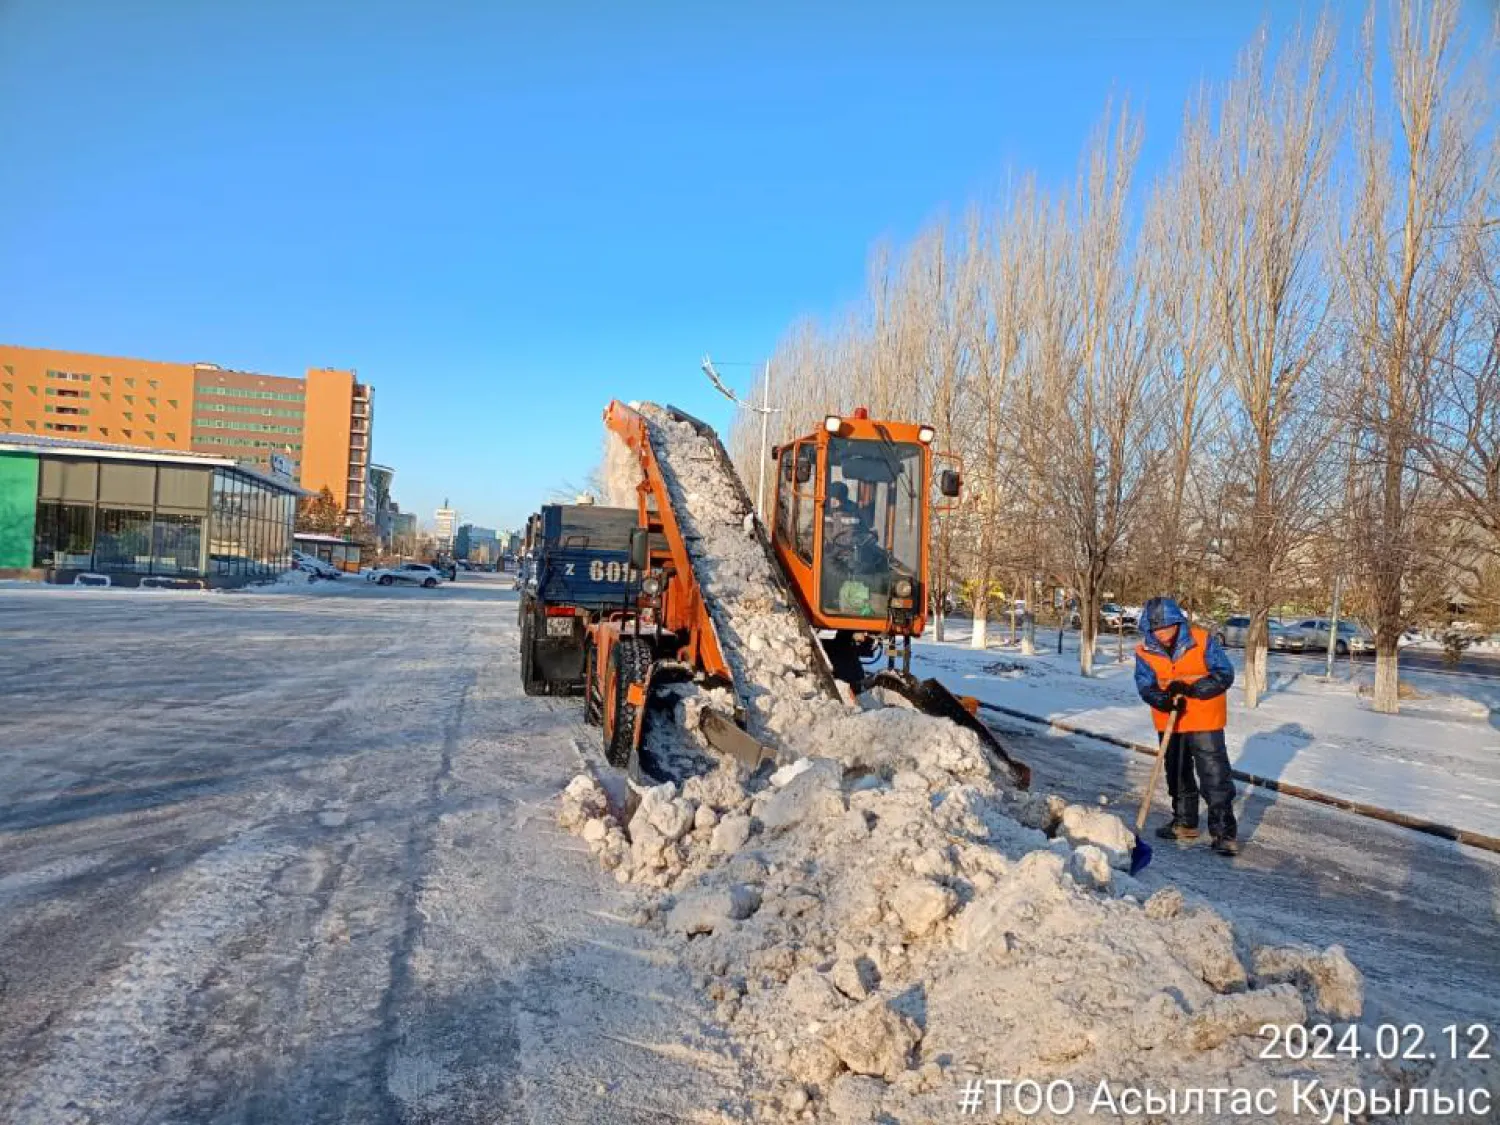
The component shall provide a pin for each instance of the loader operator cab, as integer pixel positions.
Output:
(850, 530)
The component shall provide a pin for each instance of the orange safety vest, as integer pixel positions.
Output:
(1201, 714)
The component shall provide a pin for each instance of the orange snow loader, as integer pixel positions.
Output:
(848, 547)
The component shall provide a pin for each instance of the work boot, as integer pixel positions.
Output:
(1226, 845)
(1177, 830)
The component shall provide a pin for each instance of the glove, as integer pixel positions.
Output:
(1179, 703)
(1179, 687)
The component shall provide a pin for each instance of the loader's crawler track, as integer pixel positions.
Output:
(820, 669)
(632, 657)
(932, 698)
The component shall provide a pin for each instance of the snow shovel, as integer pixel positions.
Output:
(1140, 851)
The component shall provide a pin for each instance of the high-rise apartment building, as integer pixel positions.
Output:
(321, 423)
(444, 527)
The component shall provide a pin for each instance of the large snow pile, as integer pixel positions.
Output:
(881, 921)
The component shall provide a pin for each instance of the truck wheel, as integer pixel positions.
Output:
(1341, 649)
(632, 663)
(593, 694)
(529, 683)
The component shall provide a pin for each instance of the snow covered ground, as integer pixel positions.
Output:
(1438, 760)
(294, 858)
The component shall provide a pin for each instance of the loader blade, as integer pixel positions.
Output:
(728, 739)
(932, 698)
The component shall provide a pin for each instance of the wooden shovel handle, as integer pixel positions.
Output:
(1156, 768)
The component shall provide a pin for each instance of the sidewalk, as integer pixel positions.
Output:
(1439, 760)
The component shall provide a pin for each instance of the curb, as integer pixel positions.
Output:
(1373, 812)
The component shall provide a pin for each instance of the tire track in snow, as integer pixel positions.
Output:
(111, 1057)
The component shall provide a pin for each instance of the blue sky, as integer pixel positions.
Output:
(505, 214)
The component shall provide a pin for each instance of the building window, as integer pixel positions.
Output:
(177, 544)
(123, 540)
(65, 428)
(64, 535)
(129, 381)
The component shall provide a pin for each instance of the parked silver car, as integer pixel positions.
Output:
(1351, 637)
(1281, 637)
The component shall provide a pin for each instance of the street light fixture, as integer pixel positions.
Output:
(765, 410)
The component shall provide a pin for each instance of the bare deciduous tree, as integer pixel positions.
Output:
(1094, 358)
(1259, 169)
(1420, 195)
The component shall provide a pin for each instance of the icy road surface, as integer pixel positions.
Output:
(292, 858)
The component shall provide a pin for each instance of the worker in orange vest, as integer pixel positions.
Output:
(1180, 668)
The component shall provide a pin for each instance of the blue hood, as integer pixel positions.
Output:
(1160, 613)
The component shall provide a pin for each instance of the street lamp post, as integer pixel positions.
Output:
(765, 410)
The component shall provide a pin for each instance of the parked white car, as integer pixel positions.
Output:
(1352, 637)
(314, 565)
(416, 574)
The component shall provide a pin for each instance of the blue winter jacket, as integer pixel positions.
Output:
(1160, 613)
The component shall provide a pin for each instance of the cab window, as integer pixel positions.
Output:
(804, 485)
(784, 498)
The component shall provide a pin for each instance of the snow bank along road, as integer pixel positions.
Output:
(285, 858)
(292, 857)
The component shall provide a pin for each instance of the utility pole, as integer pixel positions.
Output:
(765, 424)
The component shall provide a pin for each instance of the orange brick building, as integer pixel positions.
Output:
(321, 423)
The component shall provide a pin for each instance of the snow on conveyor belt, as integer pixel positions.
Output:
(764, 637)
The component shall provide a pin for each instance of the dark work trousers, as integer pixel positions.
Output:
(1197, 762)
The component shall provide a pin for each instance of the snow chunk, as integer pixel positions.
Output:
(812, 794)
(1090, 866)
(1081, 824)
(874, 1038)
(1335, 986)
(922, 904)
(704, 912)
(1244, 1013)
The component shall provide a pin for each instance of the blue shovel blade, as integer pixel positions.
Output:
(1140, 856)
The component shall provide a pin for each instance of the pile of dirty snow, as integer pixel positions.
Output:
(880, 921)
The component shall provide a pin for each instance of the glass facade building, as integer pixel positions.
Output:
(213, 521)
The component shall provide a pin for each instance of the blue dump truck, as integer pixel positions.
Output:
(577, 569)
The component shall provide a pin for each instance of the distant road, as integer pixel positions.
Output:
(1472, 664)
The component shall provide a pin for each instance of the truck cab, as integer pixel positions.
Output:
(578, 570)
